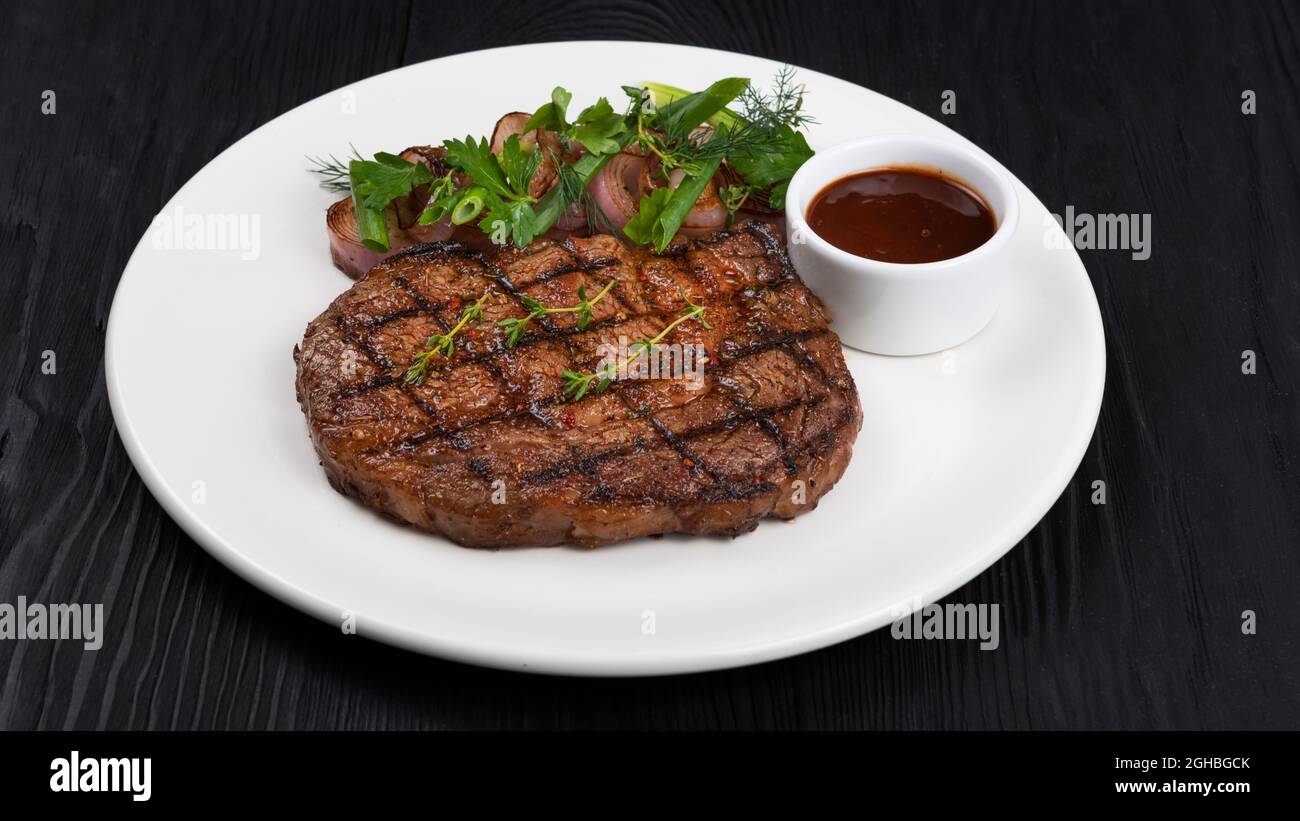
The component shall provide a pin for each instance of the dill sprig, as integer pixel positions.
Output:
(444, 344)
(783, 105)
(577, 385)
(597, 220)
(745, 139)
(515, 326)
(333, 172)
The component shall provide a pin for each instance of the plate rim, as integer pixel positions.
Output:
(1011, 532)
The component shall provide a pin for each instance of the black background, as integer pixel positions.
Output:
(1126, 615)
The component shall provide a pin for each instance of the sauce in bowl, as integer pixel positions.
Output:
(902, 214)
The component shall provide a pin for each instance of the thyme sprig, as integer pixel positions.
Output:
(444, 344)
(734, 197)
(515, 326)
(577, 385)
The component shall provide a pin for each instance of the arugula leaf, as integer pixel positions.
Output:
(384, 179)
(679, 117)
(551, 116)
(476, 159)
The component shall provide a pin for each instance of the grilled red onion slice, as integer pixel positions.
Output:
(409, 208)
(574, 219)
(436, 232)
(709, 213)
(433, 156)
(352, 256)
(545, 175)
(346, 249)
(407, 211)
(506, 127)
(617, 188)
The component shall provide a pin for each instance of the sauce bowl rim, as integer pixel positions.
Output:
(821, 171)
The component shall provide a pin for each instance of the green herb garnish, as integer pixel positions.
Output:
(556, 201)
(678, 117)
(762, 144)
(333, 172)
(500, 191)
(598, 128)
(770, 167)
(577, 385)
(662, 211)
(386, 178)
(515, 326)
(443, 345)
(375, 183)
(733, 197)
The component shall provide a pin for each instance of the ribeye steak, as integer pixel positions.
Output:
(486, 449)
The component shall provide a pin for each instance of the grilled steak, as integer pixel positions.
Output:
(487, 451)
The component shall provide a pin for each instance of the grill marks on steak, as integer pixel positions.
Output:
(646, 456)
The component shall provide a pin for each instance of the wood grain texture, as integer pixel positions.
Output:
(1125, 615)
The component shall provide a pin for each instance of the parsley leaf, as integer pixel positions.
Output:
(510, 219)
(384, 179)
(476, 159)
(518, 166)
(551, 116)
(645, 228)
(598, 128)
(375, 183)
(773, 168)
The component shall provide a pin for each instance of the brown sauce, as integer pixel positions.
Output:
(901, 215)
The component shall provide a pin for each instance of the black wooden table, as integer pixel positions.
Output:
(1122, 615)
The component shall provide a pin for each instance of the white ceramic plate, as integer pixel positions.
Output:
(960, 454)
